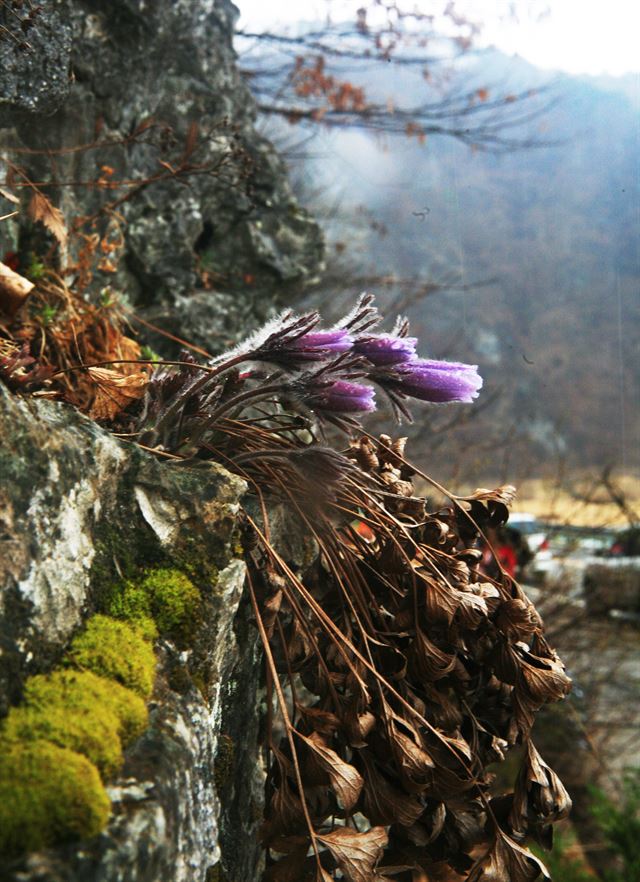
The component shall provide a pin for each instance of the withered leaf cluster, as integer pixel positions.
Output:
(52, 342)
(398, 672)
(19, 370)
(403, 674)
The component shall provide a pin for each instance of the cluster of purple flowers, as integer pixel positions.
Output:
(290, 360)
(351, 351)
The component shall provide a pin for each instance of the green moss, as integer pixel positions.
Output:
(82, 691)
(223, 762)
(174, 600)
(130, 602)
(165, 600)
(81, 711)
(114, 649)
(48, 795)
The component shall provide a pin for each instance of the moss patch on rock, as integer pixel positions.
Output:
(174, 599)
(72, 724)
(129, 602)
(117, 650)
(48, 794)
(68, 731)
(81, 711)
(164, 598)
(95, 735)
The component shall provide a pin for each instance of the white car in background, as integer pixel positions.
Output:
(534, 530)
(543, 565)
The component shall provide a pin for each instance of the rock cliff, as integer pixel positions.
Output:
(83, 512)
(215, 235)
(146, 96)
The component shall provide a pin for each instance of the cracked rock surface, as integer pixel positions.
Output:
(206, 257)
(78, 509)
(205, 254)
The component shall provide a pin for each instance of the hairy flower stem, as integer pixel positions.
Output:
(172, 411)
(243, 397)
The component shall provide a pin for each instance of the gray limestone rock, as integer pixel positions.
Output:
(146, 93)
(213, 219)
(35, 52)
(80, 510)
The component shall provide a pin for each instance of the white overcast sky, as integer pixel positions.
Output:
(576, 36)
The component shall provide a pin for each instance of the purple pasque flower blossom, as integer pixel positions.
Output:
(319, 345)
(330, 396)
(436, 381)
(383, 350)
(291, 341)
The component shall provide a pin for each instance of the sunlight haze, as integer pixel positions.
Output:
(576, 37)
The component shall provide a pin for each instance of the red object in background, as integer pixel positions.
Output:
(12, 260)
(508, 559)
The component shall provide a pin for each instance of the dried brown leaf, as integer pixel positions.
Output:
(385, 804)
(270, 610)
(431, 662)
(472, 609)
(346, 781)
(19, 370)
(114, 392)
(506, 860)
(321, 721)
(540, 797)
(416, 766)
(544, 677)
(286, 815)
(429, 827)
(517, 618)
(440, 602)
(488, 508)
(41, 209)
(356, 853)
(358, 726)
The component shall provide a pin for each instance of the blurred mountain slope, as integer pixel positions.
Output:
(556, 230)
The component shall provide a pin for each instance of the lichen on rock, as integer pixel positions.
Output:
(163, 799)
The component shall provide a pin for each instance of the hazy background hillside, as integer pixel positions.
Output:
(552, 233)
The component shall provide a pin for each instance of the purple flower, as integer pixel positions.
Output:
(318, 345)
(437, 381)
(291, 342)
(340, 396)
(386, 349)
